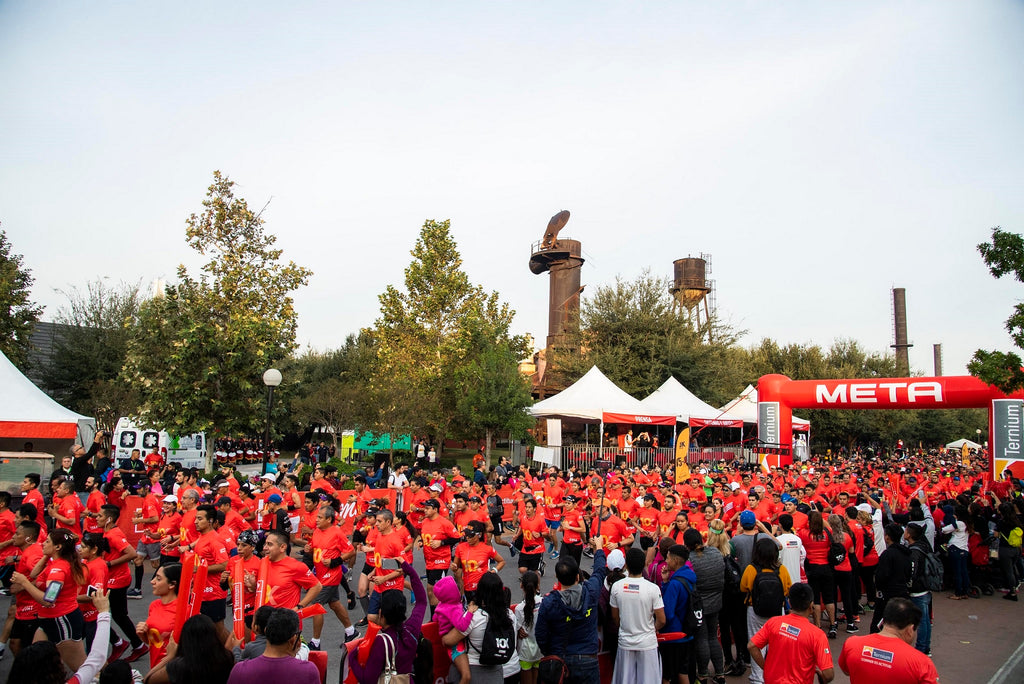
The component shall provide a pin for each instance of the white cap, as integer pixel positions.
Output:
(270, 477)
(734, 486)
(616, 560)
(170, 498)
(866, 508)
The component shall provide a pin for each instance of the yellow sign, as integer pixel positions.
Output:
(682, 449)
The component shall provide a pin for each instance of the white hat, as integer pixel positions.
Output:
(170, 498)
(866, 508)
(268, 476)
(734, 486)
(436, 487)
(616, 560)
(222, 483)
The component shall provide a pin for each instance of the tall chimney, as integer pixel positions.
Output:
(899, 314)
(937, 353)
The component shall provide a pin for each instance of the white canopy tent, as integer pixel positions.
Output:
(672, 398)
(587, 400)
(745, 407)
(959, 444)
(27, 414)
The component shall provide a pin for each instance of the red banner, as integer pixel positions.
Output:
(632, 419)
(715, 422)
(349, 509)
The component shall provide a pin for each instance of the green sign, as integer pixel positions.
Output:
(367, 441)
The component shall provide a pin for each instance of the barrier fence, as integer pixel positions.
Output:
(584, 456)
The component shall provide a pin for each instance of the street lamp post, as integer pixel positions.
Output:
(271, 378)
(977, 431)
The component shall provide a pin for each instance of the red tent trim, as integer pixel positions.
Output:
(715, 422)
(631, 419)
(29, 430)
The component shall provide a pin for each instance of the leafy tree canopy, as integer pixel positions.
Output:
(17, 312)
(1003, 255)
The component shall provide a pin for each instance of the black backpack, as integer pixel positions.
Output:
(498, 644)
(836, 551)
(693, 618)
(423, 666)
(767, 595)
(732, 574)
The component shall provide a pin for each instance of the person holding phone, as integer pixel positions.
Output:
(54, 584)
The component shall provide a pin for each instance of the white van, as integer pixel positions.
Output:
(188, 450)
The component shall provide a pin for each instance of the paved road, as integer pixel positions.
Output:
(973, 640)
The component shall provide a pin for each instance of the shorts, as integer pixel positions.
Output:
(216, 609)
(675, 659)
(497, 525)
(646, 542)
(25, 630)
(822, 581)
(70, 627)
(150, 551)
(553, 524)
(530, 561)
(528, 665)
(434, 576)
(374, 607)
(367, 569)
(458, 649)
(328, 594)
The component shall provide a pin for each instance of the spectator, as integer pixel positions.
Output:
(919, 594)
(892, 575)
(797, 649)
(766, 583)
(889, 656)
(526, 622)
(709, 566)
(1009, 555)
(680, 580)
(278, 662)
(493, 610)
(567, 621)
(639, 612)
(403, 631)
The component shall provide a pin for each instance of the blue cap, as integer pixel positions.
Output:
(747, 519)
(786, 498)
(274, 498)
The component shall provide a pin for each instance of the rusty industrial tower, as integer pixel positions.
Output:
(899, 325)
(691, 290)
(561, 257)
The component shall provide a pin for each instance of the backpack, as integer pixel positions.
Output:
(732, 574)
(932, 571)
(836, 551)
(1015, 538)
(767, 595)
(498, 644)
(423, 666)
(693, 617)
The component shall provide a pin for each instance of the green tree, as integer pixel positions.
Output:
(424, 337)
(494, 395)
(90, 350)
(17, 312)
(1003, 255)
(633, 333)
(200, 350)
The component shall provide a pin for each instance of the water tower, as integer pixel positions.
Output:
(692, 290)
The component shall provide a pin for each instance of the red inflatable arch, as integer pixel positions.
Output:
(777, 396)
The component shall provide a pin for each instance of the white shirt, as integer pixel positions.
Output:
(792, 554)
(636, 599)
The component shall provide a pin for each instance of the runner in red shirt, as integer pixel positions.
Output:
(554, 496)
(93, 504)
(92, 559)
(533, 530)
(167, 530)
(329, 549)
(27, 555)
(31, 495)
(386, 554)
(614, 533)
(797, 649)
(437, 536)
(889, 656)
(159, 623)
(119, 557)
(210, 547)
(573, 529)
(286, 577)
(472, 559)
(67, 508)
(8, 526)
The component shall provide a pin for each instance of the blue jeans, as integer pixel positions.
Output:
(924, 630)
(958, 559)
(582, 670)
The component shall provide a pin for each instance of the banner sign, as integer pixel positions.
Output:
(632, 419)
(1007, 438)
(768, 423)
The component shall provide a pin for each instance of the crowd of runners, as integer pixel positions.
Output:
(656, 579)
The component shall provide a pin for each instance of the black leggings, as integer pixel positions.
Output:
(119, 614)
(845, 582)
(732, 623)
(867, 576)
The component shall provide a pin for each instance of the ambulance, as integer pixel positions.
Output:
(188, 450)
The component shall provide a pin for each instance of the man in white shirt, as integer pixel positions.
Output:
(639, 611)
(398, 482)
(792, 553)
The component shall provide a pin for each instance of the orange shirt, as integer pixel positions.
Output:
(159, 625)
(878, 658)
(440, 529)
(210, 547)
(474, 561)
(388, 547)
(285, 580)
(533, 533)
(58, 570)
(97, 579)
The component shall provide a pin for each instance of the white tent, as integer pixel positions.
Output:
(588, 399)
(673, 399)
(959, 444)
(745, 407)
(27, 414)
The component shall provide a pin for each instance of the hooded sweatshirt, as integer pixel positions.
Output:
(449, 612)
(567, 620)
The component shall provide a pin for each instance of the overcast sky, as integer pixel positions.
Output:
(822, 153)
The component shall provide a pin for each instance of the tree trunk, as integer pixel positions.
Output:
(209, 453)
(487, 449)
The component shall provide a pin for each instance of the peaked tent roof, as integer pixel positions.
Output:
(672, 398)
(26, 412)
(958, 444)
(589, 398)
(745, 407)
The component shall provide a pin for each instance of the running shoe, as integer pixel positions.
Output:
(137, 653)
(832, 632)
(350, 637)
(554, 554)
(134, 594)
(543, 565)
(852, 628)
(117, 651)
(313, 646)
